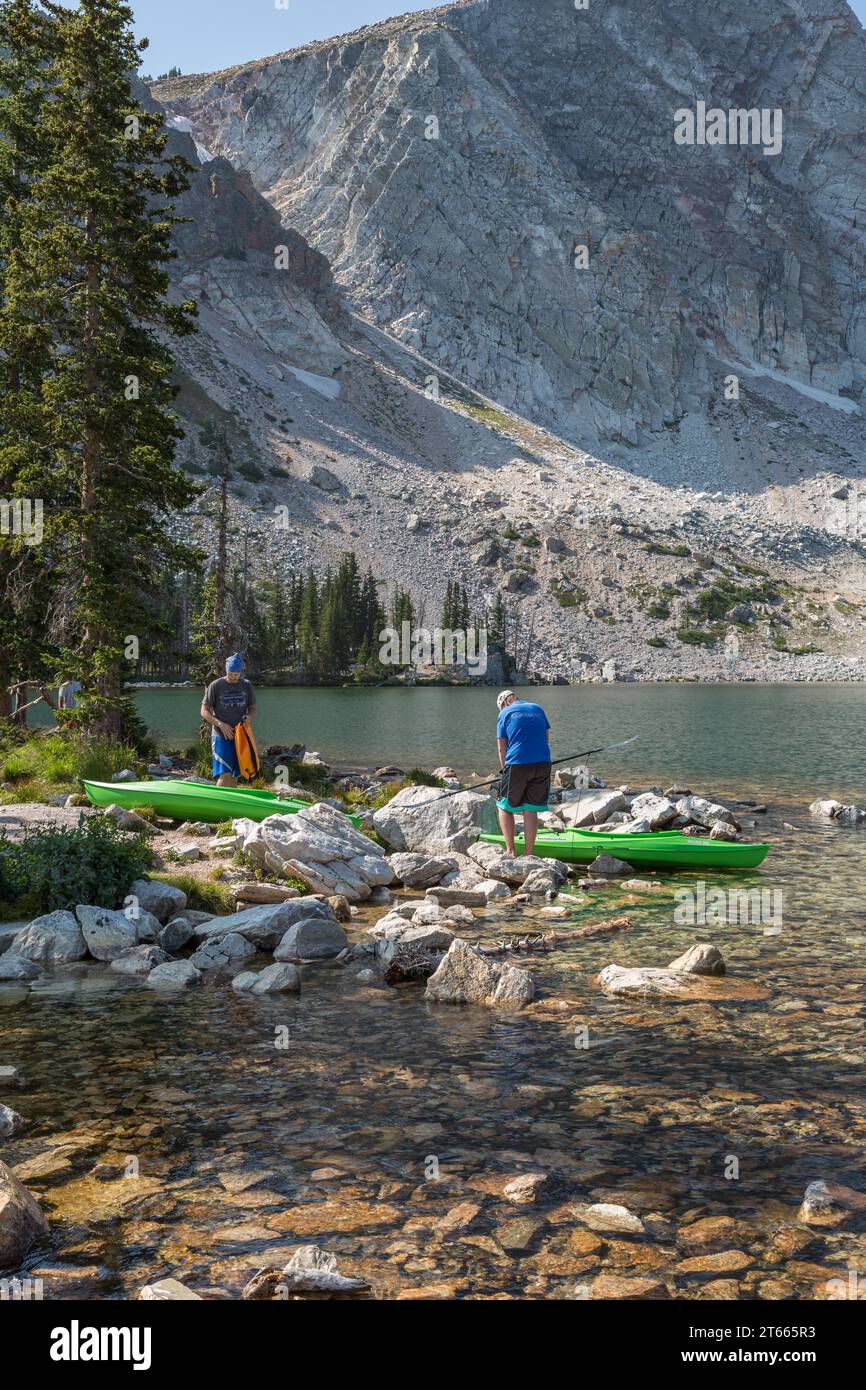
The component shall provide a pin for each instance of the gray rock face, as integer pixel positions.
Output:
(224, 951)
(590, 807)
(159, 898)
(175, 974)
(139, 960)
(280, 978)
(657, 811)
(267, 924)
(320, 846)
(726, 254)
(21, 1220)
(427, 821)
(53, 939)
(108, 934)
(467, 977)
(175, 934)
(419, 870)
(312, 939)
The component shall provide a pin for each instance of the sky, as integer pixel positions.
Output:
(205, 35)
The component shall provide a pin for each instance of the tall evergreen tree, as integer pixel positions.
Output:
(88, 288)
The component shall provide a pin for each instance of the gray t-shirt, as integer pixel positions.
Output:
(230, 703)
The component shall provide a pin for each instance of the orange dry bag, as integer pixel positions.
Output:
(247, 753)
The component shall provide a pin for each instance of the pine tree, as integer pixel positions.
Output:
(27, 612)
(88, 288)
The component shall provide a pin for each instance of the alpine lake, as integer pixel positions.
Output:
(207, 1135)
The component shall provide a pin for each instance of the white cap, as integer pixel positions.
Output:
(506, 695)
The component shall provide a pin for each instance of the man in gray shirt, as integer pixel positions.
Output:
(227, 702)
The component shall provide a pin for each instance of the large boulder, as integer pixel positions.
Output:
(465, 976)
(657, 811)
(10, 1122)
(590, 807)
(419, 870)
(108, 934)
(21, 1220)
(159, 898)
(266, 924)
(18, 968)
(427, 820)
(513, 870)
(321, 847)
(53, 939)
(703, 812)
(174, 935)
(312, 939)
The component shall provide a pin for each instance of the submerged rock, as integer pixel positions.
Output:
(139, 960)
(466, 977)
(168, 1291)
(831, 1204)
(10, 1122)
(175, 974)
(643, 982)
(280, 978)
(21, 1220)
(703, 959)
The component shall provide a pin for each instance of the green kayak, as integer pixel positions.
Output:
(660, 849)
(194, 800)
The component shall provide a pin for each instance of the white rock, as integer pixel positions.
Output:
(53, 939)
(466, 977)
(426, 820)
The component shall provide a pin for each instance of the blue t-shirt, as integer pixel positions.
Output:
(524, 726)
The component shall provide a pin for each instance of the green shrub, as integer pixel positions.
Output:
(416, 776)
(656, 548)
(656, 642)
(693, 637)
(56, 867)
(661, 609)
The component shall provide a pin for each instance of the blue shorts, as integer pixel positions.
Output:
(224, 754)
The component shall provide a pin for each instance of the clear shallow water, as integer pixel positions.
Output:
(343, 1124)
(805, 739)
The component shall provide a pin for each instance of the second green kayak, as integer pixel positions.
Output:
(194, 801)
(660, 849)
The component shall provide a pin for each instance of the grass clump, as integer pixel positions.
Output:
(694, 637)
(43, 765)
(202, 895)
(51, 868)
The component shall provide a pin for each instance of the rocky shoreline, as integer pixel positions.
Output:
(407, 914)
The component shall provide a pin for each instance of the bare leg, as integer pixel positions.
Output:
(506, 825)
(530, 830)
(227, 780)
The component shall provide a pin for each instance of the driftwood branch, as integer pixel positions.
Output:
(541, 942)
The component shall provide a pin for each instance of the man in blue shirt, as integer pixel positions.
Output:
(523, 738)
